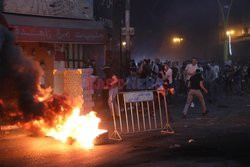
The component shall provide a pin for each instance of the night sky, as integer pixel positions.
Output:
(197, 21)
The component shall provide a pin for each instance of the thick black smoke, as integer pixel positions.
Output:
(19, 79)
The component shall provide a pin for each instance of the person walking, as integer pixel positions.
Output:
(195, 87)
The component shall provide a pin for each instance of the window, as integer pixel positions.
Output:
(75, 56)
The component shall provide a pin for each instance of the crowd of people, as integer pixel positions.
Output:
(191, 78)
(194, 78)
(230, 78)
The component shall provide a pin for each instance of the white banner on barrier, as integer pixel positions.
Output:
(131, 97)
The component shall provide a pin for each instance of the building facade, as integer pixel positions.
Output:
(60, 34)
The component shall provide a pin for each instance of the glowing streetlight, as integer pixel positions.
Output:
(177, 40)
(124, 44)
(230, 32)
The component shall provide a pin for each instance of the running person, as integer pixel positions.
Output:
(196, 85)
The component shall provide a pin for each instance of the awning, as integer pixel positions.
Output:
(44, 29)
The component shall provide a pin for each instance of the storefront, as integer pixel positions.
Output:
(59, 43)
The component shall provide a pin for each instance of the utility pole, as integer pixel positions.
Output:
(127, 25)
(225, 9)
(127, 32)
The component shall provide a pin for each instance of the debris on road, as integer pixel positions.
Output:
(174, 146)
(191, 141)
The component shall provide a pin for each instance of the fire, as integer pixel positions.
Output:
(61, 120)
(44, 94)
(81, 128)
(24, 102)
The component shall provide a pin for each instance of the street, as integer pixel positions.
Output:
(219, 139)
(124, 83)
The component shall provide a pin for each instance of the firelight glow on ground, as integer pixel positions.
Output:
(82, 128)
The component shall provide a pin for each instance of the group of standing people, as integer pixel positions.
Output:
(191, 77)
(228, 79)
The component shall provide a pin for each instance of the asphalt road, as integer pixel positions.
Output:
(220, 139)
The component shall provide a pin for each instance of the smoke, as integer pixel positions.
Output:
(20, 85)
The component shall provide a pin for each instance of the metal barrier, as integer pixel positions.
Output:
(141, 111)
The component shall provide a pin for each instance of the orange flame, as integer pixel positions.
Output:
(62, 121)
(44, 94)
(82, 128)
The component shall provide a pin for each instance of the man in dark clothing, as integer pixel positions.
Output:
(175, 75)
(196, 85)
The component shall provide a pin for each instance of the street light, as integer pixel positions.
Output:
(177, 40)
(124, 43)
(230, 33)
(177, 46)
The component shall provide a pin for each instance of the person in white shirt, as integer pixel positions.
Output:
(191, 68)
(216, 69)
(168, 83)
(168, 74)
(190, 71)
